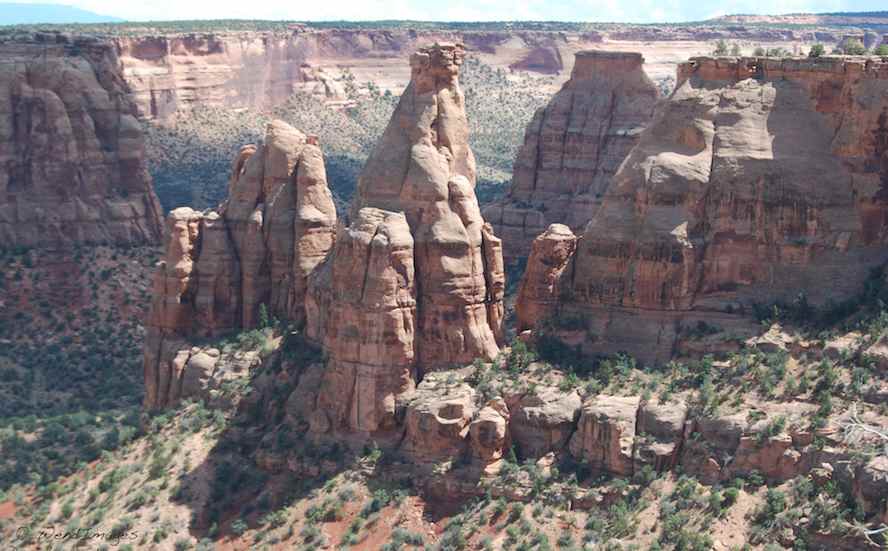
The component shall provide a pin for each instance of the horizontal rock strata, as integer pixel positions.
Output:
(758, 180)
(573, 146)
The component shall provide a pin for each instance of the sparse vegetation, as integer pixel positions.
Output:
(817, 50)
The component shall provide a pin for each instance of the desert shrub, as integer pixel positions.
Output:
(238, 527)
(853, 47)
(520, 356)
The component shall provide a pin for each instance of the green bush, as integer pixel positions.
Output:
(238, 527)
(853, 47)
(817, 50)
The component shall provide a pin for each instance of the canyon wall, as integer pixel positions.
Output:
(172, 72)
(72, 156)
(758, 180)
(573, 146)
(221, 267)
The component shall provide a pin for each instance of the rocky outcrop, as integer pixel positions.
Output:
(538, 292)
(423, 166)
(256, 250)
(170, 71)
(489, 433)
(573, 146)
(871, 486)
(731, 198)
(661, 431)
(431, 269)
(362, 309)
(605, 436)
(72, 155)
(438, 421)
(773, 441)
(542, 421)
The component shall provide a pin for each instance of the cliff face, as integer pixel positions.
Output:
(756, 181)
(170, 73)
(416, 282)
(257, 69)
(257, 248)
(72, 157)
(174, 73)
(573, 147)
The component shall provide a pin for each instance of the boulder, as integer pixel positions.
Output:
(437, 422)
(876, 353)
(543, 421)
(605, 437)
(660, 433)
(489, 434)
(871, 486)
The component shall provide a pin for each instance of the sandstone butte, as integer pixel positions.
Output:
(573, 147)
(72, 156)
(757, 180)
(220, 267)
(416, 281)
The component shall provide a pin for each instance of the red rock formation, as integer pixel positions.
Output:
(489, 434)
(362, 308)
(423, 167)
(257, 248)
(660, 431)
(437, 421)
(72, 157)
(605, 436)
(432, 270)
(538, 293)
(758, 179)
(172, 72)
(542, 421)
(726, 446)
(573, 147)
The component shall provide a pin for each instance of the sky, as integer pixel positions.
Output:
(630, 11)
